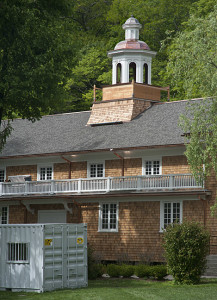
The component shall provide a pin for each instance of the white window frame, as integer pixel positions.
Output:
(92, 163)
(1, 211)
(151, 158)
(39, 166)
(100, 229)
(3, 169)
(162, 212)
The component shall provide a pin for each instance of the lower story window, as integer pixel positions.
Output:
(108, 217)
(4, 215)
(171, 212)
(18, 252)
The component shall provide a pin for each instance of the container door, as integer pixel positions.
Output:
(65, 256)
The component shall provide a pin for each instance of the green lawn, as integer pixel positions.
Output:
(126, 289)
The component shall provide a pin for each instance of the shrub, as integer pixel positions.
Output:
(126, 270)
(143, 271)
(94, 270)
(158, 271)
(186, 246)
(113, 270)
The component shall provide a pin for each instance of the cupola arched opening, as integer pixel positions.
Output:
(145, 73)
(132, 71)
(118, 72)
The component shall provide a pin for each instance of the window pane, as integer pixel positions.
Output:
(49, 173)
(109, 216)
(176, 212)
(42, 173)
(167, 214)
(156, 167)
(93, 170)
(105, 212)
(4, 215)
(2, 175)
(100, 170)
(148, 168)
(112, 216)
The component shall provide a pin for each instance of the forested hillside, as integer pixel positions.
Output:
(53, 52)
(165, 27)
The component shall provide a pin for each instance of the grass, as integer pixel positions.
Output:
(125, 289)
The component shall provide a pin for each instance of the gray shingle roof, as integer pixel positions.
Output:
(68, 132)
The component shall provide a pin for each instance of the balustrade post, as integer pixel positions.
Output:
(139, 183)
(171, 181)
(108, 184)
(26, 191)
(1, 188)
(52, 186)
(79, 185)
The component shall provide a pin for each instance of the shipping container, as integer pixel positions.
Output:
(43, 257)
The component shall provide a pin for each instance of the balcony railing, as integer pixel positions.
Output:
(96, 185)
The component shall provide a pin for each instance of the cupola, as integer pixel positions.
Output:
(131, 92)
(131, 58)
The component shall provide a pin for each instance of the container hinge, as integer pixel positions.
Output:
(67, 208)
(32, 211)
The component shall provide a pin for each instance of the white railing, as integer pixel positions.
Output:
(94, 185)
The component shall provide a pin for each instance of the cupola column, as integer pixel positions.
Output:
(125, 72)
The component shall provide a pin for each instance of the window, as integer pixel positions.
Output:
(171, 212)
(108, 217)
(18, 252)
(45, 173)
(4, 215)
(96, 170)
(2, 175)
(152, 167)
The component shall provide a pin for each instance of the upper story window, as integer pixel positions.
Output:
(108, 217)
(96, 170)
(45, 172)
(2, 175)
(4, 215)
(152, 167)
(171, 212)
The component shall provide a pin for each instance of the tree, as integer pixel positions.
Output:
(192, 65)
(36, 47)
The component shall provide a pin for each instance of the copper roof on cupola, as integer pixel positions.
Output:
(132, 45)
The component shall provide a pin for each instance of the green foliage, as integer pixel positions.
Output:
(143, 270)
(35, 51)
(186, 246)
(156, 271)
(126, 270)
(200, 124)
(192, 65)
(113, 270)
(159, 271)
